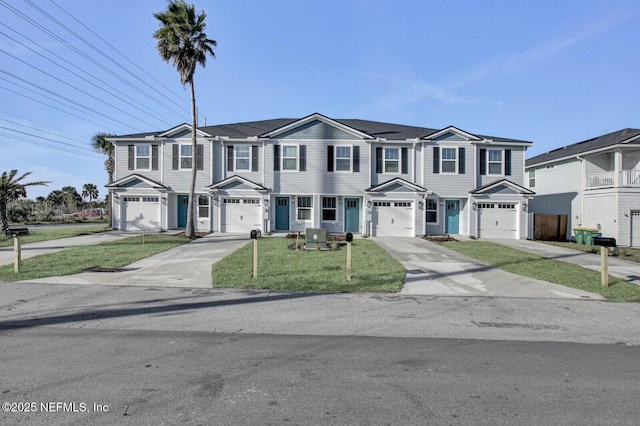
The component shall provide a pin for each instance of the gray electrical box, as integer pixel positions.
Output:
(315, 239)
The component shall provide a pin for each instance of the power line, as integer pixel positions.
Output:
(46, 139)
(38, 130)
(47, 145)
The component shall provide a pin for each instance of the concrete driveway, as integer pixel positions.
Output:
(433, 270)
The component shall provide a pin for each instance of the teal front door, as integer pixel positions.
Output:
(351, 215)
(282, 213)
(453, 216)
(183, 204)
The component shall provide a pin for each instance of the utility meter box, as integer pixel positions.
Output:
(315, 239)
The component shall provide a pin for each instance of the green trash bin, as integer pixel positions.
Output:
(588, 236)
(579, 236)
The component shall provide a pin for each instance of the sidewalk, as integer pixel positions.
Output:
(628, 271)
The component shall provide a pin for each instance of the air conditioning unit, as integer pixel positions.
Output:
(315, 239)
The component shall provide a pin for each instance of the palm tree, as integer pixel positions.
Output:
(182, 40)
(70, 196)
(100, 144)
(90, 191)
(11, 189)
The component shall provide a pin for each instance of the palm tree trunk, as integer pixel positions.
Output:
(3, 213)
(190, 231)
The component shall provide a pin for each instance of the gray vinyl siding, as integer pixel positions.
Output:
(446, 184)
(180, 180)
(378, 178)
(122, 161)
(599, 163)
(316, 179)
(517, 165)
(317, 130)
(628, 199)
(220, 164)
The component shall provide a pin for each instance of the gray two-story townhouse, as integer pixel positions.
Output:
(286, 175)
(596, 183)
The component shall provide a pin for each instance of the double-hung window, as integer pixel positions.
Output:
(243, 157)
(449, 160)
(432, 211)
(329, 208)
(494, 161)
(203, 206)
(143, 157)
(392, 160)
(304, 208)
(186, 160)
(532, 178)
(289, 157)
(343, 158)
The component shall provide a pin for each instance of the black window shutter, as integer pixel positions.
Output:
(200, 156)
(276, 157)
(379, 159)
(255, 157)
(175, 163)
(303, 158)
(436, 159)
(132, 158)
(507, 162)
(230, 158)
(154, 157)
(356, 159)
(405, 160)
(483, 161)
(461, 161)
(330, 158)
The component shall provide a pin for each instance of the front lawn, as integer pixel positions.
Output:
(541, 268)
(113, 254)
(36, 234)
(282, 269)
(625, 253)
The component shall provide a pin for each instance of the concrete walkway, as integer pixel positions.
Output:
(188, 265)
(437, 271)
(628, 271)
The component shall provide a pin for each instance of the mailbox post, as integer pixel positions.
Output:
(254, 237)
(349, 238)
(604, 243)
(17, 247)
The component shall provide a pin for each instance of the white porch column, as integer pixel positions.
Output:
(617, 167)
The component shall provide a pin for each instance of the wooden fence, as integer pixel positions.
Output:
(550, 227)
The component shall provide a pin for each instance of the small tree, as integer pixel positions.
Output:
(90, 191)
(70, 196)
(11, 188)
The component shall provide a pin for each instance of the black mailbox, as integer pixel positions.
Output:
(15, 231)
(604, 241)
(349, 237)
(254, 234)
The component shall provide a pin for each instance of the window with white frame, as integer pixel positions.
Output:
(243, 157)
(328, 208)
(532, 178)
(143, 157)
(432, 211)
(448, 160)
(304, 208)
(203, 206)
(343, 158)
(392, 160)
(289, 157)
(494, 161)
(186, 160)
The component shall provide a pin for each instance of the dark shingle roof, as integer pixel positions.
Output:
(585, 146)
(388, 131)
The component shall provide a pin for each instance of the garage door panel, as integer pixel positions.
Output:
(497, 220)
(635, 228)
(393, 219)
(140, 213)
(241, 215)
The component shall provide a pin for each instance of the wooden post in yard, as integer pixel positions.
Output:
(349, 261)
(255, 258)
(17, 255)
(604, 265)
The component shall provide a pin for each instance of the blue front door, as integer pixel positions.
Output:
(351, 215)
(453, 216)
(183, 204)
(282, 213)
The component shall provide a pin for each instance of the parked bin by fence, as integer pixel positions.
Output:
(589, 234)
(579, 233)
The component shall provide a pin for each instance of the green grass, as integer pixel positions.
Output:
(36, 235)
(73, 260)
(551, 270)
(281, 269)
(625, 253)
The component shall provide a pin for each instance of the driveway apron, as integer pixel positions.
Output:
(434, 270)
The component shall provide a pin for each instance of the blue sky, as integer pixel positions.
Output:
(551, 72)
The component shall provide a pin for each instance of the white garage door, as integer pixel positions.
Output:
(497, 220)
(241, 214)
(140, 213)
(635, 228)
(393, 219)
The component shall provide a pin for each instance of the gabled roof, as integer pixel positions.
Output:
(396, 181)
(237, 179)
(502, 182)
(181, 128)
(454, 130)
(624, 136)
(319, 117)
(122, 181)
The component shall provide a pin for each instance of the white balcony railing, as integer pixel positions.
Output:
(628, 178)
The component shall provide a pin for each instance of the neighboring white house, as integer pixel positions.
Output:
(595, 182)
(358, 176)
